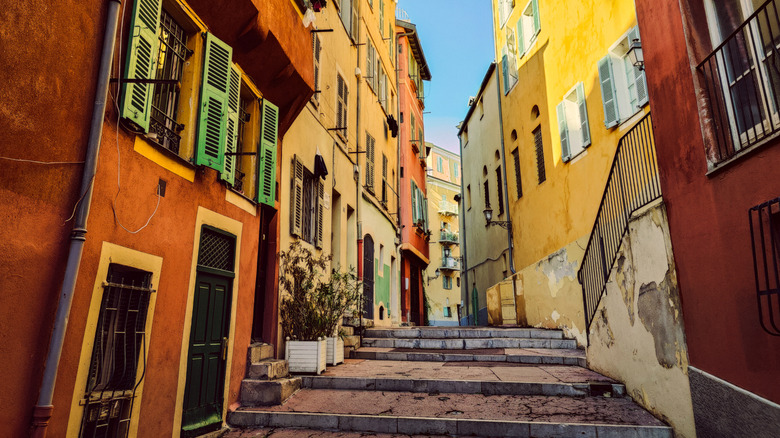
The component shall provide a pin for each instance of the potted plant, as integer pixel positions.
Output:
(340, 294)
(300, 280)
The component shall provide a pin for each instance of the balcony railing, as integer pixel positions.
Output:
(742, 84)
(765, 241)
(632, 183)
(448, 237)
(447, 208)
(450, 263)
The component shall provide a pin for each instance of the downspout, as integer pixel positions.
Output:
(464, 283)
(506, 189)
(358, 198)
(43, 409)
(401, 283)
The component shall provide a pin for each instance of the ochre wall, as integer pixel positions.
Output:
(708, 213)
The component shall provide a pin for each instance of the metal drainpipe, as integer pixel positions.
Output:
(506, 189)
(44, 408)
(357, 165)
(401, 283)
(464, 282)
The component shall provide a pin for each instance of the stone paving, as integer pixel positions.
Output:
(273, 432)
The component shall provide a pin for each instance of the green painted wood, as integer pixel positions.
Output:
(231, 142)
(266, 178)
(141, 62)
(213, 117)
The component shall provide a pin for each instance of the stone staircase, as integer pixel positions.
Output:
(268, 380)
(460, 382)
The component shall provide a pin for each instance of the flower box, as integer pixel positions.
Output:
(306, 356)
(335, 353)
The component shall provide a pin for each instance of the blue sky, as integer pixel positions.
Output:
(457, 40)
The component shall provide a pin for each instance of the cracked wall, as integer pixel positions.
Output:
(637, 333)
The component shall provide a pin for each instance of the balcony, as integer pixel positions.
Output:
(447, 208)
(450, 264)
(448, 238)
(741, 80)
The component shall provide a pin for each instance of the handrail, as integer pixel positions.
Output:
(736, 31)
(632, 183)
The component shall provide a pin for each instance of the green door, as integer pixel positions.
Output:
(203, 396)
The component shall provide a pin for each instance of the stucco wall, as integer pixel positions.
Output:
(637, 334)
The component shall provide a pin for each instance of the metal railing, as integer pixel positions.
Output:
(447, 208)
(742, 83)
(448, 237)
(451, 263)
(765, 241)
(632, 183)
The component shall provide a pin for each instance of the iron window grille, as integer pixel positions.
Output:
(216, 250)
(518, 181)
(765, 242)
(243, 119)
(165, 99)
(120, 341)
(499, 191)
(539, 146)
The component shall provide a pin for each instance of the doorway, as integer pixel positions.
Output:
(368, 277)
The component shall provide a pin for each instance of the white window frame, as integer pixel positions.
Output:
(573, 107)
(505, 10)
(527, 31)
(625, 78)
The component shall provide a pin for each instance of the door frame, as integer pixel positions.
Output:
(234, 227)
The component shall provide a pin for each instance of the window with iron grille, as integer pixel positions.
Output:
(241, 159)
(540, 172)
(499, 191)
(216, 250)
(765, 241)
(120, 342)
(518, 181)
(487, 194)
(165, 98)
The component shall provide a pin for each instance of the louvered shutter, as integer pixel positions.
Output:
(639, 75)
(608, 94)
(320, 212)
(583, 115)
(141, 61)
(354, 22)
(564, 131)
(425, 211)
(505, 72)
(414, 203)
(340, 104)
(231, 146)
(537, 21)
(266, 178)
(212, 122)
(316, 47)
(520, 39)
(296, 198)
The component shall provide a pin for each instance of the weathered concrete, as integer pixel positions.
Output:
(268, 369)
(268, 392)
(463, 333)
(637, 335)
(468, 344)
(516, 355)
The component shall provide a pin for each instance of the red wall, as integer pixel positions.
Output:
(708, 215)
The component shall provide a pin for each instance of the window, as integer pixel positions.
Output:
(370, 161)
(505, 10)
(573, 123)
(384, 180)
(508, 66)
(518, 181)
(307, 199)
(446, 282)
(455, 169)
(540, 171)
(439, 164)
(371, 64)
(499, 191)
(623, 86)
(528, 27)
(487, 194)
(447, 311)
(120, 337)
(341, 108)
(468, 196)
(349, 17)
(382, 17)
(419, 207)
(316, 48)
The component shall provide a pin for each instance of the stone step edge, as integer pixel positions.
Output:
(456, 333)
(460, 357)
(485, 387)
(440, 426)
(367, 342)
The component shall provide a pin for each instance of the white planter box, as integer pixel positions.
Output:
(306, 356)
(335, 350)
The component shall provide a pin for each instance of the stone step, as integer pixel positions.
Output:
(457, 414)
(255, 392)
(269, 369)
(513, 355)
(260, 351)
(463, 333)
(469, 344)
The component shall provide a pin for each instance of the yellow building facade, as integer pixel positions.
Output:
(568, 94)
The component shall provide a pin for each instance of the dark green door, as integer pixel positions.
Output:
(203, 396)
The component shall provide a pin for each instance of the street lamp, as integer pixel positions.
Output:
(489, 219)
(635, 54)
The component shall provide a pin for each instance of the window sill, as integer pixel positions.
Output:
(628, 123)
(714, 169)
(165, 158)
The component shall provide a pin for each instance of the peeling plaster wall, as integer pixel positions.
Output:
(637, 333)
(548, 295)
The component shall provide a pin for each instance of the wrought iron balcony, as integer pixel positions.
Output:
(448, 238)
(447, 208)
(742, 84)
(765, 241)
(450, 264)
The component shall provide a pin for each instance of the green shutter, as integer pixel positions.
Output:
(425, 211)
(639, 75)
(608, 94)
(414, 203)
(520, 39)
(505, 72)
(266, 178)
(537, 22)
(141, 62)
(564, 131)
(212, 121)
(583, 115)
(231, 146)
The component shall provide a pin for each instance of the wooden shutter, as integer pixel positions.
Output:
(424, 207)
(537, 21)
(414, 203)
(583, 115)
(231, 146)
(505, 71)
(608, 94)
(266, 178)
(639, 75)
(316, 47)
(354, 22)
(320, 211)
(212, 121)
(520, 39)
(340, 103)
(564, 131)
(296, 198)
(369, 64)
(141, 61)
(370, 147)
